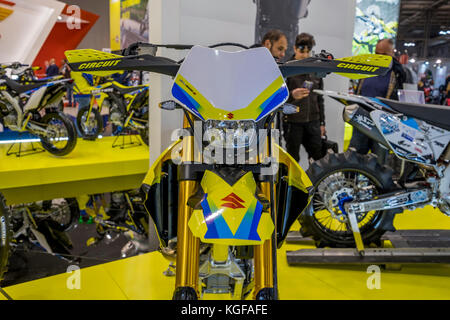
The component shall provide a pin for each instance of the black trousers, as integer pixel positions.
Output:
(306, 133)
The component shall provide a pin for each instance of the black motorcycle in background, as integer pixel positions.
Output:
(38, 226)
(5, 236)
(114, 214)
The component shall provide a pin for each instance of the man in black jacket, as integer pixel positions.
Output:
(308, 125)
(382, 86)
(52, 69)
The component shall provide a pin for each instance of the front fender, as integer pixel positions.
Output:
(230, 212)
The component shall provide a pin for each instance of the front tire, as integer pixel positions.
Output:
(64, 138)
(5, 236)
(94, 125)
(68, 212)
(351, 173)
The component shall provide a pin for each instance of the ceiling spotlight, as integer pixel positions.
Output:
(427, 63)
(412, 60)
(409, 44)
(438, 61)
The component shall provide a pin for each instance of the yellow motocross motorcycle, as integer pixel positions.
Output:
(224, 195)
(34, 107)
(128, 106)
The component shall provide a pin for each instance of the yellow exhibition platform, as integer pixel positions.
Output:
(141, 277)
(92, 167)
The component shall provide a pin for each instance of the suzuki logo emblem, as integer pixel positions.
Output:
(233, 201)
(230, 115)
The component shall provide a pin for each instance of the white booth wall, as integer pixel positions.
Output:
(27, 28)
(207, 22)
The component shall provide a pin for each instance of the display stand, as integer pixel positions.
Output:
(120, 141)
(20, 153)
(409, 246)
(91, 168)
(3, 292)
(170, 272)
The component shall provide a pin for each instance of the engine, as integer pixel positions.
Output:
(10, 114)
(115, 115)
(10, 120)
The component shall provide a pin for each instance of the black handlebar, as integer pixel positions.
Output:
(142, 57)
(135, 48)
(15, 65)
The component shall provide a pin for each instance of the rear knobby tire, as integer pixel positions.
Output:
(367, 165)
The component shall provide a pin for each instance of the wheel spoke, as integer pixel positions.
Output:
(328, 191)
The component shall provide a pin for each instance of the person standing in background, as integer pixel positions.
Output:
(52, 70)
(65, 72)
(276, 42)
(382, 86)
(308, 125)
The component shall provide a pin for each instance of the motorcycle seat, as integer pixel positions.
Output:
(21, 88)
(46, 80)
(433, 114)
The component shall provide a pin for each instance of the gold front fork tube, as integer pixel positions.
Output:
(188, 246)
(263, 256)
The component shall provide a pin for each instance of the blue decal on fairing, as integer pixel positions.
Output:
(381, 103)
(411, 122)
(388, 124)
(184, 98)
(407, 137)
(249, 225)
(217, 226)
(273, 101)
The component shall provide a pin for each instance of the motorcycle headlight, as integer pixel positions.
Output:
(230, 134)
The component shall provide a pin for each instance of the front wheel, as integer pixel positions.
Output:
(61, 136)
(92, 127)
(64, 211)
(341, 175)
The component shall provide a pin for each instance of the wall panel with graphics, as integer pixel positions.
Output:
(129, 22)
(374, 20)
